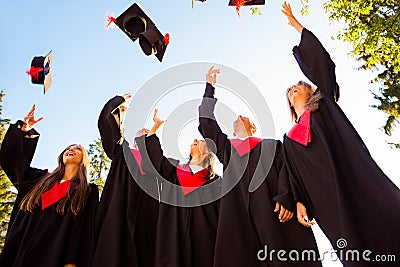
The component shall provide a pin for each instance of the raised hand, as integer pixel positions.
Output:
(211, 76)
(141, 132)
(29, 120)
(127, 96)
(287, 11)
(157, 123)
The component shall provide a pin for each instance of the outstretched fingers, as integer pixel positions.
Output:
(211, 75)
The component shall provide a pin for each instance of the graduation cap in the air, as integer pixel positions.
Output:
(40, 71)
(194, 2)
(239, 3)
(136, 24)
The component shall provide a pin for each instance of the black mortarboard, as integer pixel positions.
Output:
(246, 2)
(239, 3)
(136, 24)
(194, 2)
(40, 71)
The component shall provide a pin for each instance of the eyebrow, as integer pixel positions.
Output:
(74, 146)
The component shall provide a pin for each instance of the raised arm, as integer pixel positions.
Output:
(110, 123)
(18, 148)
(208, 126)
(314, 61)
(153, 159)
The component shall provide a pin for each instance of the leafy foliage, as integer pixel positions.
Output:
(256, 11)
(305, 10)
(373, 30)
(99, 163)
(7, 197)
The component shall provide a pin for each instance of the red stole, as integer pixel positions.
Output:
(188, 181)
(138, 158)
(301, 131)
(57, 192)
(243, 147)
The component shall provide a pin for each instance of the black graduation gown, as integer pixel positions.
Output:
(247, 222)
(127, 216)
(335, 175)
(42, 238)
(185, 235)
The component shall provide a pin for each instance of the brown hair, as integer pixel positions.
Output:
(311, 103)
(76, 193)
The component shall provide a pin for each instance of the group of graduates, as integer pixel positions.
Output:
(157, 211)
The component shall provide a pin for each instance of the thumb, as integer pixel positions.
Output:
(277, 207)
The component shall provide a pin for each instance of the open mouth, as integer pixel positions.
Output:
(70, 154)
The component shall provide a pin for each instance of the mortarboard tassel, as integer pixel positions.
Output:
(239, 4)
(166, 39)
(34, 72)
(109, 20)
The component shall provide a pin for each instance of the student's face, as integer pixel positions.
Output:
(198, 148)
(73, 155)
(243, 123)
(298, 94)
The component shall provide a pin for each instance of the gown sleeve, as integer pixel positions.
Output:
(110, 123)
(153, 159)
(208, 126)
(16, 155)
(81, 240)
(284, 192)
(316, 64)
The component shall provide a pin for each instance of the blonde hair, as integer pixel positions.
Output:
(208, 162)
(76, 193)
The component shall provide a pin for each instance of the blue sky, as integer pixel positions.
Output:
(91, 65)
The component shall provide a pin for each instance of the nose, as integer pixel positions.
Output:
(240, 117)
(195, 141)
(72, 148)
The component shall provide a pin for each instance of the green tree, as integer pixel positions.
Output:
(7, 197)
(99, 163)
(373, 30)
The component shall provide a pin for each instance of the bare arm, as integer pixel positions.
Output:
(287, 10)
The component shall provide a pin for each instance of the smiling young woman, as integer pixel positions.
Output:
(53, 216)
(185, 232)
(333, 176)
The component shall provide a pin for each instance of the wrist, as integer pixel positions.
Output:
(25, 127)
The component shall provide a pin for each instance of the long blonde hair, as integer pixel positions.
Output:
(208, 162)
(311, 102)
(76, 193)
